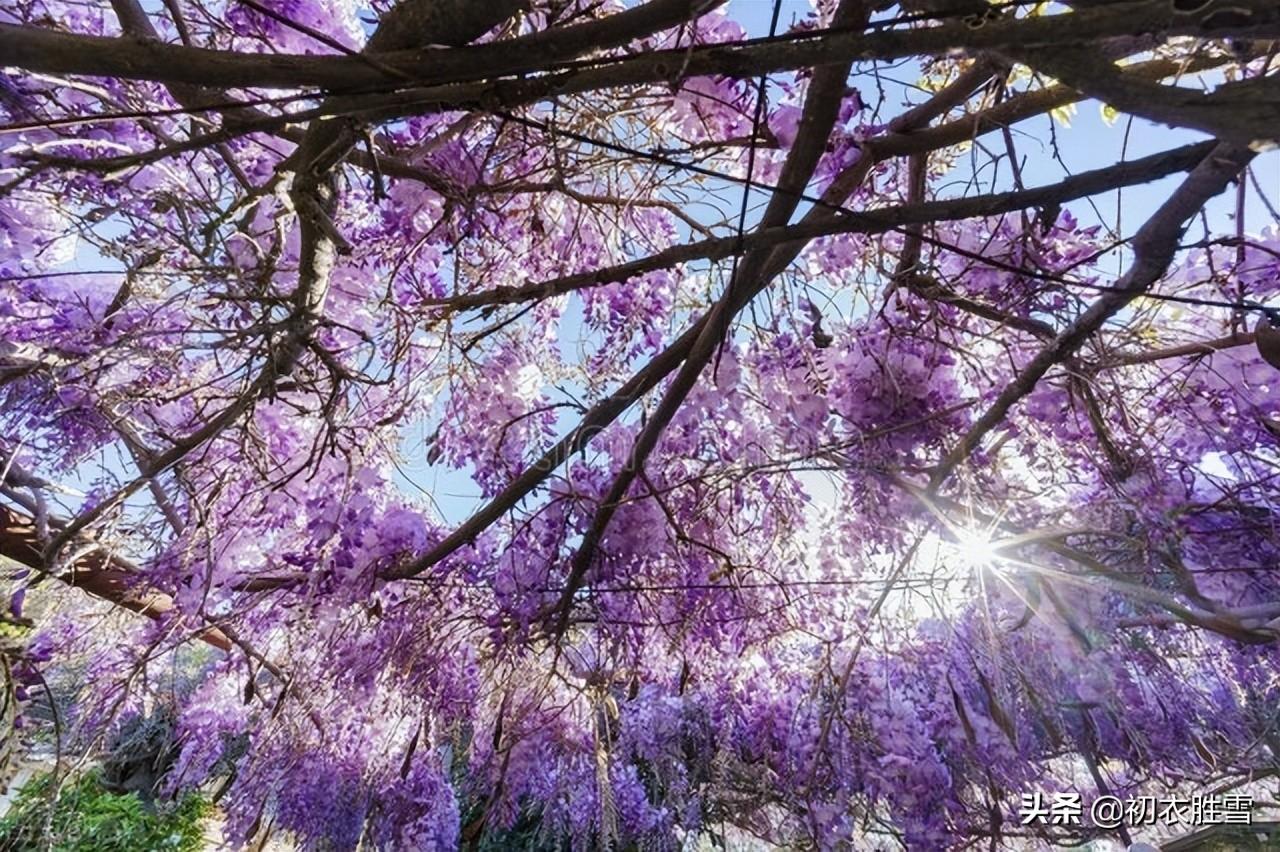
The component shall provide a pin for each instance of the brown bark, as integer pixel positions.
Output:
(129, 58)
(1154, 246)
(97, 572)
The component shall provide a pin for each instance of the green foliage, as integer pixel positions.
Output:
(89, 818)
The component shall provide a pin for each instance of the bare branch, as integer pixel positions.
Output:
(65, 53)
(97, 572)
(1154, 246)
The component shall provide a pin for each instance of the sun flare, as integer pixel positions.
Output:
(976, 550)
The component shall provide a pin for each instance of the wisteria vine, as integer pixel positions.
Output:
(545, 423)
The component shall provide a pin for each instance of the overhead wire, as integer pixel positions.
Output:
(694, 168)
(561, 65)
(749, 181)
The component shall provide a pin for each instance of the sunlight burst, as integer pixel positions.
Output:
(976, 550)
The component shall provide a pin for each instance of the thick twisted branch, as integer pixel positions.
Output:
(65, 53)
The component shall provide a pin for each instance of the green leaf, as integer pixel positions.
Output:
(86, 817)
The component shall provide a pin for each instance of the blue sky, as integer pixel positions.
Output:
(1087, 142)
